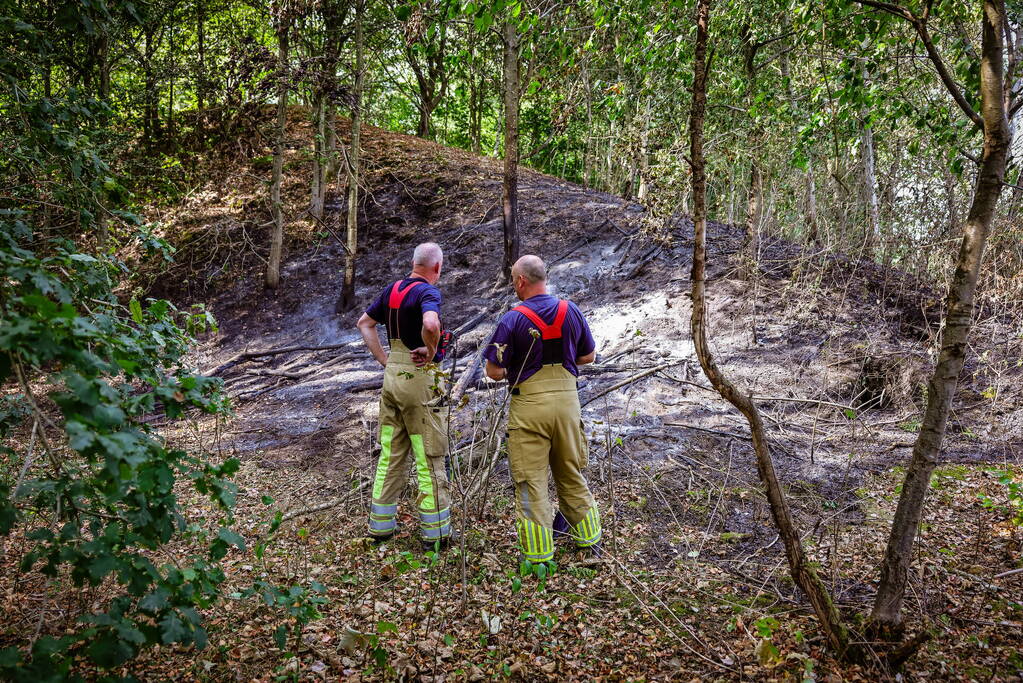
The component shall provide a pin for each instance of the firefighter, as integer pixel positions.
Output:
(411, 419)
(538, 347)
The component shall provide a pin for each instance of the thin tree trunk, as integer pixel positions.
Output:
(941, 388)
(873, 234)
(750, 254)
(811, 185)
(588, 152)
(813, 224)
(802, 571)
(318, 185)
(347, 299)
(510, 199)
(273, 266)
(644, 154)
(200, 35)
(476, 85)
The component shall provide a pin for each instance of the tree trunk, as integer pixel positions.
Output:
(873, 229)
(813, 229)
(750, 253)
(200, 38)
(476, 87)
(811, 185)
(510, 199)
(347, 299)
(318, 185)
(273, 266)
(150, 115)
(424, 128)
(802, 572)
(941, 388)
(644, 154)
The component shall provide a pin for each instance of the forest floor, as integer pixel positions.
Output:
(694, 584)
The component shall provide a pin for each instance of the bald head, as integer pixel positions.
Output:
(427, 254)
(529, 277)
(531, 268)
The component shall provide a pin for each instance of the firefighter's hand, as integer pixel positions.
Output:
(422, 356)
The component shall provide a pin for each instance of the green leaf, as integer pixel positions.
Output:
(385, 627)
(172, 629)
(136, 310)
(231, 537)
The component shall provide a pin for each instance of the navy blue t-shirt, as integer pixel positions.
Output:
(513, 347)
(407, 325)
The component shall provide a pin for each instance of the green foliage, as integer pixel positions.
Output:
(1010, 503)
(101, 499)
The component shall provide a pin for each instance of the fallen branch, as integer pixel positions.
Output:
(647, 258)
(470, 370)
(320, 507)
(472, 322)
(705, 429)
(1011, 572)
(249, 355)
(575, 245)
(626, 382)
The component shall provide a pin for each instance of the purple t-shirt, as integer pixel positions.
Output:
(421, 298)
(511, 341)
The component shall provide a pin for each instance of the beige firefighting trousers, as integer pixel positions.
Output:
(545, 429)
(408, 424)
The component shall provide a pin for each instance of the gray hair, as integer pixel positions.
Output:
(427, 254)
(532, 268)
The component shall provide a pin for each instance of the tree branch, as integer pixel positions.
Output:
(920, 24)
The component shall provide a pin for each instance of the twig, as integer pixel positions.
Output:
(1011, 572)
(711, 431)
(626, 382)
(319, 507)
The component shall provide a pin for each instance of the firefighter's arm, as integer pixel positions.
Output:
(368, 329)
(431, 337)
(495, 371)
(588, 358)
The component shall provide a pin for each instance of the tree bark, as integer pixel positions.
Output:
(873, 229)
(200, 36)
(273, 266)
(318, 185)
(802, 572)
(750, 253)
(941, 388)
(810, 206)
(347, 299)
(644, 154)
(510, 197)
(588, 152)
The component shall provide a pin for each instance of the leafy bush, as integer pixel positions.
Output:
(103, 500)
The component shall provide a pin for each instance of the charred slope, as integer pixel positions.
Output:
(813, 326)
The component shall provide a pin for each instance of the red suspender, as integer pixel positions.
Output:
(552, 331)
(398, 294)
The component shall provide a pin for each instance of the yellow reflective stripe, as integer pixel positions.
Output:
(423, 473)
(386, 433)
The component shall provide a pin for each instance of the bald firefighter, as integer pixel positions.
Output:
(538, 347)
(411, 422)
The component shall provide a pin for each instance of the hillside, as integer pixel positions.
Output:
(835, 349)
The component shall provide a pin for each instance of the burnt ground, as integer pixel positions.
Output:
(837, 349)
